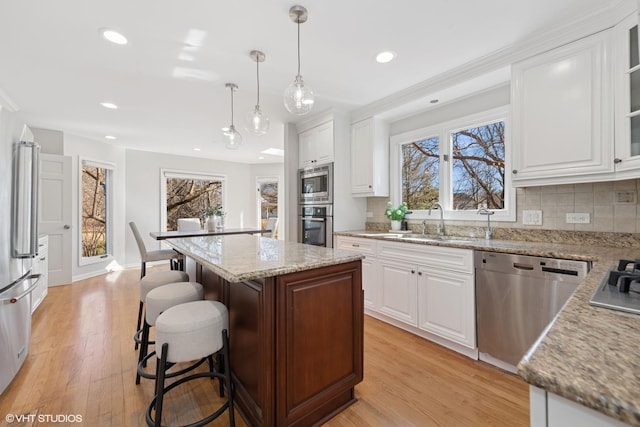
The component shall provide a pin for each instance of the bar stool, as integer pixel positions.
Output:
(187, 332)
(151, 281)
(158, 300)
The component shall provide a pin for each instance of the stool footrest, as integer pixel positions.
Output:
(147, 375)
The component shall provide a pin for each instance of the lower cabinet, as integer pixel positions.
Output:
(427, 290)
(550, 410)
(446, 305)
(40, 266)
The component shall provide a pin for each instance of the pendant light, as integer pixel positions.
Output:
(256, 122)
(298, 98)
(232, 139)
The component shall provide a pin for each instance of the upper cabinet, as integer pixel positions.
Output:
(562, 124)
(370, 158)
(316, 145)
(627, 83)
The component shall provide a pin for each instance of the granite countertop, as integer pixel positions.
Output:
(590, 355)
(241, 257)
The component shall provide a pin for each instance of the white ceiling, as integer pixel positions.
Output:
(57, 68)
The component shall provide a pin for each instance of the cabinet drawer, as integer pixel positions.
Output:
(354, 244)
(437, 256)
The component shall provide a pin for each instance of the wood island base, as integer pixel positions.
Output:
(296, 342)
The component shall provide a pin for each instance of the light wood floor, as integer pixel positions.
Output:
(82, 362)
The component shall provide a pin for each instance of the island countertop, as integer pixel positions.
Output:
(237, 258)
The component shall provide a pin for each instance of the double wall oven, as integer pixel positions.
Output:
(315, 209)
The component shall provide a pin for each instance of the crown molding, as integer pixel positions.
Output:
(583, 26)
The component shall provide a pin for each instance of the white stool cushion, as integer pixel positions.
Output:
(163, 297)
(160, 278)
(193, 330)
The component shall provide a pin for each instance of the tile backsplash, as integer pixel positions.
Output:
(612, 207)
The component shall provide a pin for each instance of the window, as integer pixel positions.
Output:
(96, 237)
(267, 200)
(460, 164)
(186, 195)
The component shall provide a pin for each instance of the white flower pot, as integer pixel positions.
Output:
(395, 225)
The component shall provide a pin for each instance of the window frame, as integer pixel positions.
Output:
(443, 131)
(172, 173)
(110, 211)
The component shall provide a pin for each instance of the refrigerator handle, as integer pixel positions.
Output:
(25, 200)
(13, 299)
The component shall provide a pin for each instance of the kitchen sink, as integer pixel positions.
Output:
(436, 238)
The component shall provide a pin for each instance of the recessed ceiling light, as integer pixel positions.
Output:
(109, 137)
(260, 157)
(109, 105)
(113, 36)
(196, 149)
(386, 56)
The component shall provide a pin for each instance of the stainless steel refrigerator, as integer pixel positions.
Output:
(18, 246)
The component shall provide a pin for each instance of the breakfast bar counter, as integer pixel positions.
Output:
(295, 324)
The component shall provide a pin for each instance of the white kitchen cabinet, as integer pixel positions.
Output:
(398, 290)
(316, 145)
(370, 158)
(446, 304)
(430, 287)
(40, 266)
(562, 122)
(627, 96)
(551, 410)
(370, 266)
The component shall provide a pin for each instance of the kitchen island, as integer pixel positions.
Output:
(295, 324)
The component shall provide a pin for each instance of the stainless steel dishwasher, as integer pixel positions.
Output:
(517, 296)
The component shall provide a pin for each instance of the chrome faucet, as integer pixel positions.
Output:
(488, 213)
(440, 227)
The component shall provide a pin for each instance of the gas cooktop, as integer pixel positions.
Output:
(620, 289)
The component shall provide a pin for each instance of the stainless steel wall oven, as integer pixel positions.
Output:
(315, 225)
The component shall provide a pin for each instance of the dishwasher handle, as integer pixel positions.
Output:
(520, 266)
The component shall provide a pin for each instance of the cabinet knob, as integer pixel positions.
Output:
(370, 186)
(66, 227)
(515, 171)
(616, 161)
(419, 273)
(413, 272)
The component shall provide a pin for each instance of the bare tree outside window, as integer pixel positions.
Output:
(94, 211)
(420, 173)
(478, 167)
(188, 197)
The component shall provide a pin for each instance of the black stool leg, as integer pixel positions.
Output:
(144, 347)
(139, 320)
(227, 376)
(160, 383)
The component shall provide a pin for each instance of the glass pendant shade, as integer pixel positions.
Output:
(231, 137)
(298, 97)
(256, 122)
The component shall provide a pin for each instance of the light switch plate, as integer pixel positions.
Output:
(532, 217)
(578, 218)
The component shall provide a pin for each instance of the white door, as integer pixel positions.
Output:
(55, 215)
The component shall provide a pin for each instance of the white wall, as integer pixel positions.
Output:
(143, 193)
(78, 147)
(271, 170)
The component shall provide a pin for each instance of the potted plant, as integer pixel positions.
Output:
(396, 215)
(214, 217)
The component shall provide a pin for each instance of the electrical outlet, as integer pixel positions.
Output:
(578, 218)
(532, 217)
(625, 197)
(369, 214)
